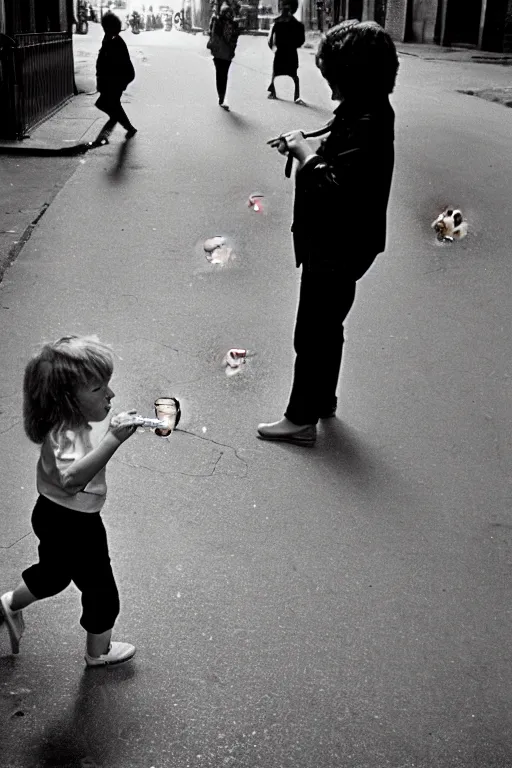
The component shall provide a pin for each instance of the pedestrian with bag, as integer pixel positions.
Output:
(224, 32)
(114, 72)
(349, 176)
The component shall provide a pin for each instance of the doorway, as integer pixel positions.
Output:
(463, 22)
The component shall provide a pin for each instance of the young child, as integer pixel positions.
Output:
(114, 71)
(222, 43)
(66, 405)
(339, 217)
(287, 34)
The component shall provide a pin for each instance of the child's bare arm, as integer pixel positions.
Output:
(82, 471)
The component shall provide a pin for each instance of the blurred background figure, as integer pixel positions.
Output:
(222, 42)
(286, 34)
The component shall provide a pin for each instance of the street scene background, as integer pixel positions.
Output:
(347, 605)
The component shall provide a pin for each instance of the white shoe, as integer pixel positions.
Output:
(117, 654)
(14, 621)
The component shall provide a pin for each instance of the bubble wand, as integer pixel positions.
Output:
(308, 135)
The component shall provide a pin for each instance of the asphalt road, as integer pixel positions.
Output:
(344, 606)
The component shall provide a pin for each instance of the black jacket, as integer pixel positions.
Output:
(114, 69)
(341, 195)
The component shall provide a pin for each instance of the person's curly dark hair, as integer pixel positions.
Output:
(359, 57)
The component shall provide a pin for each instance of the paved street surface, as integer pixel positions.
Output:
(346, 606)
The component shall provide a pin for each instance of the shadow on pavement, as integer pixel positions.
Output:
(89, 736)
(343, 452)
(238, 120)
(117, 172)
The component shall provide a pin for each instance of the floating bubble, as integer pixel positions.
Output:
(219, 250)
(168, 410)
(222, 255)
(254, 201)
(450, 225)
(214, 242)
(233, 360)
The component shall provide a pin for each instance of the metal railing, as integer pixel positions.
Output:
(37, 78)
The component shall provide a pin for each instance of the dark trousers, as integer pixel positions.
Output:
(73, 548)
(324, 303)
(110, 102)
(221, 77)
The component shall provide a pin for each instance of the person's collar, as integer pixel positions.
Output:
(354, 105)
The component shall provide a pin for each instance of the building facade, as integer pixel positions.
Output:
(481, 24)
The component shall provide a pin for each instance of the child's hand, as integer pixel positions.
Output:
(123, 425)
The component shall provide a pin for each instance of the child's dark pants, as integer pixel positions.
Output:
(324, 303)
(110, 102)
(73, 548)
(221, 77)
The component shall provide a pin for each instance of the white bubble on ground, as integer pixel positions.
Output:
(219, 250)
(233, 360)
(450, 225)
(222, 255)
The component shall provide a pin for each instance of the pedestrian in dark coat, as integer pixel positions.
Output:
(114, 71)
(222, 43)
(339, 218)
(287, 34)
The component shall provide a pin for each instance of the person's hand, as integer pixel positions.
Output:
(292, 143)
(123, 425)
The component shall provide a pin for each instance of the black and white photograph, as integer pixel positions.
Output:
(255, 384)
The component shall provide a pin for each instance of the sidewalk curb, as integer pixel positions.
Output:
(40, 150)
(13, 253)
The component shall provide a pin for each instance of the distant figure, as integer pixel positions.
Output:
(351, 171)
(287, 34)
(222, 43)
(114, 71)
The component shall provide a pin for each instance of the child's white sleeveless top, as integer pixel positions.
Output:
(62, 447)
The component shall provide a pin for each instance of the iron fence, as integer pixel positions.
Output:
(37, 75)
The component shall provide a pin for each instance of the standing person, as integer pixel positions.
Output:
(287, 34)
(347, 178)
(114, 71)
(224, 33)
(65, 408)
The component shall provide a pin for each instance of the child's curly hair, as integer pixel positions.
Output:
(52, 378)
(359, 57)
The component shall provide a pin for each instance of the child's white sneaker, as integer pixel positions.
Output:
(117, 654)
(14, 621)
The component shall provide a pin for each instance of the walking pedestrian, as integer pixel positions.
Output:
(287, 34)
(66, 404)
(222, 43)
(114, 71)
(345, 183)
